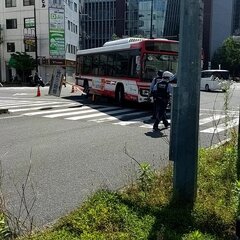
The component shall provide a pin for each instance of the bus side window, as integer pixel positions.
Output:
(121, 64)
(95, 65)
(79, 66)
(134, 64)
(103, 65)
(86, 64)
(110, 64)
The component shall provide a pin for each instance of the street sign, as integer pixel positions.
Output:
(56, 82)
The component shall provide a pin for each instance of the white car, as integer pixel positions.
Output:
(215, 79)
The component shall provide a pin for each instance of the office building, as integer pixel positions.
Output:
(154, 15)
(236, 18)
(57, 33)
(172, 20)
(217, 24)
(103, 19)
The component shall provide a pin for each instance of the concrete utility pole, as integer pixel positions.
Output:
(35, 36)
(185, 127)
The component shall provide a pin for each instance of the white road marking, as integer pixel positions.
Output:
(38, 108)
(21, 94)
(213, 118)
(114, 118)
(52, 111)
(33, 104)
(220, 143)
(222, 127)
(93, 115)
(16, 103)
(89, 110)
(9, 117)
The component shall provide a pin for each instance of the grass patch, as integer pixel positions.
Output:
(145, 211)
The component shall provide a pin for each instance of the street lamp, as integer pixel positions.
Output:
(151, 21)
(35, 37)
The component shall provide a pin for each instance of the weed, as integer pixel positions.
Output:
(146, 177)
(5, 232)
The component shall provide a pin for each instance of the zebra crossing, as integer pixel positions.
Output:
(210, 122)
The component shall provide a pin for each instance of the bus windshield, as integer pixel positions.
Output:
(154, 62)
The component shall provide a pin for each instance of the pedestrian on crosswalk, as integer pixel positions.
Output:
(161, 92)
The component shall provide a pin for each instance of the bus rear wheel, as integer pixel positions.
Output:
(119, 95)
(86, 88)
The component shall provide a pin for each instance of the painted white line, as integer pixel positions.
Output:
(93, 115)
(52, 111)
(147, 126)
(221, 111)
(125, 123)
(21, 94)
(2, 118)
(37, 108)
(81, 111)
(16, 103)
(113, 118)
(89, 110)
(220, 143)
(132, 121)
(222, 127)
(32, 105)
(213, 118)
(17, 88)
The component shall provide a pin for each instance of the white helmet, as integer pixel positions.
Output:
(167, 74)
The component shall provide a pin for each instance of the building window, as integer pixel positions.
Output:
(28, 22)
(10, 47)
(10, 3)
(69, 24)
(29, 47)
(11, 23)
(75, 7)
(28, 2)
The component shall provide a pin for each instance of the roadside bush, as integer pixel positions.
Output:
(4, 230)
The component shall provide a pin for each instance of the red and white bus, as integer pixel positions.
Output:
(123, 69)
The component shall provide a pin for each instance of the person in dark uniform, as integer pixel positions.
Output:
(161, 92)
(154, 81)
(38, 80)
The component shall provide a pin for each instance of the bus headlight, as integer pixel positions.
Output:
(144, 92)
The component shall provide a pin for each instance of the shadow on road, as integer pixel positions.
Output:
(155, 134)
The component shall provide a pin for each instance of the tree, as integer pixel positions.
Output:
(23, 63)
(115, 37)
(228, 56)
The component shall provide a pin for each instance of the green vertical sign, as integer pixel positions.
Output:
(56, 32)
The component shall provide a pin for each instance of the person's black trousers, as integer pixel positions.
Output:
(161, 105)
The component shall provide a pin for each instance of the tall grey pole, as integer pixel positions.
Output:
(185, 149)
(151, 21)
(35, 37)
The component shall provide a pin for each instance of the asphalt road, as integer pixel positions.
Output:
(69, 160)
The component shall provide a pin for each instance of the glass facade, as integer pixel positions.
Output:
(236, 18)
(172, 20)
(98, 22)
(105, 18)
(158, 17)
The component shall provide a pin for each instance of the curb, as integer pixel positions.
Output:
(3, 111)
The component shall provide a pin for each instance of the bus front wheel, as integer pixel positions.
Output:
(207, 88)
(119, 95)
